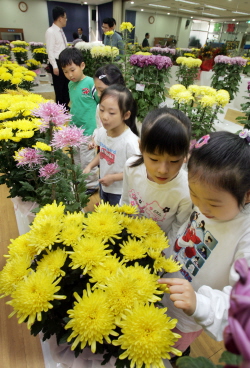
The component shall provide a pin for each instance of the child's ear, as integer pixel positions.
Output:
(127, 115)
(247, 197)
(83, 65)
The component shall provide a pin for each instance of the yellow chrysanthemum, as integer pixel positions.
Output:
(91, 320)
(15, 139)
(126, 26)
(6, 76)
(44, 233)
(124, 220)
(129, 210)
(6, 133)
(70, 234)
(107, 268)
(53, 262)
(147, 337)
(7, 115)
(33, 296)
(107, 224)
(109, 33)
(31, 74)
(21, 246)
(133, 249)
(42, 146)
(105, 207)
(17, 74)
(176, 89)
(222, 97)
(16, 81)
(166, 264)
(13, 272)
(157, 242)
(146, 281)
(152, 226)
(184, 97)
(52, 210)
(88, 252)
(137, 228)
(206, 90)
(194, 89)
(28, 78)
(207, 101)
(25, 134)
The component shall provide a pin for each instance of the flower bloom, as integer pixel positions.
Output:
(126, 26)
(161, 62)
(222, 97)
(53, 113)
(68, 136)
(237, 333)
(48, 170)
(207, 101)
(146, 336)
(109, 33)
(28, 156)
(163, 50)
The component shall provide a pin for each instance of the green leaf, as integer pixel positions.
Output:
(230, 358)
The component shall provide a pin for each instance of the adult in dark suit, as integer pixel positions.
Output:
(81, 35)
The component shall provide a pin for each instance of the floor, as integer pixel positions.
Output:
(18, 348)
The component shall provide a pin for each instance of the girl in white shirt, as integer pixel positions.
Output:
(155, 181)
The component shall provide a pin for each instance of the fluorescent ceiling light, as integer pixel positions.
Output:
(236, 12)
(142, 9)
(188, 2)
(213, 15)
(160, 6)
(191, 11)
(214, 7)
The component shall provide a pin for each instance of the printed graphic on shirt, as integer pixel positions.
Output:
(152, 209)
(86, 91)
(194, 247)
(107, 154)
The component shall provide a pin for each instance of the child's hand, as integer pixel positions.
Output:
(87, 170)
(92, 145)
(107, 180)
(182, 294)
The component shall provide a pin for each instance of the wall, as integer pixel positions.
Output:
(34, 21)
(162, 26)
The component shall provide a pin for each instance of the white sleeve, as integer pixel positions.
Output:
(212, 305)
(212, 310)
(125, 197)
(50, 46)
(133, 148)
(184, 211)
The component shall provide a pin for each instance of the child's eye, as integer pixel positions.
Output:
(153, 159)
(101, 110)
(175, 162)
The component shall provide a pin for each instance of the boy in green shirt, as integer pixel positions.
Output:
(83, 108)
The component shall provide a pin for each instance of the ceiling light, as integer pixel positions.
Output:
(233, 20)
(85, 2)
(187, 2)
(160, 6)
(214, 7)
(131, 2)
(237, 23)
(191, 17)
(236, 12)
(142, 9)
(213, 15)
(168, 13)
(191, 11)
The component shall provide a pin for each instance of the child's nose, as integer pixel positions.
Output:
(163, 168)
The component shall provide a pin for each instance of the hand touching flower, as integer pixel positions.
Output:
(182, 294)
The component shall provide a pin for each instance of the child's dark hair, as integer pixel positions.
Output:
(110, 74)
(165, 130)
(70, 55)
(126, 103)
(58, 12)
(223, 162)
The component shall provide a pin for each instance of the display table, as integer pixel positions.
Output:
(206, 78)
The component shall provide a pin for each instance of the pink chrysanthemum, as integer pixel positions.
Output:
(28, 156)
(68, 136)
(53, 113)
(48, 170)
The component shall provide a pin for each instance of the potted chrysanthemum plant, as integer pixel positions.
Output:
(245, 108)
(188, 70)
(91, 280)
(201, 104)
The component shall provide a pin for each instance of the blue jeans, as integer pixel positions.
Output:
(111, 198)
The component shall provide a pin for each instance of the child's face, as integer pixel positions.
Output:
(100, 86)
(162, 168)
(110, 115)
(213, 202)
(74, 72)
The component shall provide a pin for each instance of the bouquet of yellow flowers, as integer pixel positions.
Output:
(188, 70)
(13, 75)
(91, 279)
(40, 55)
(201, 104)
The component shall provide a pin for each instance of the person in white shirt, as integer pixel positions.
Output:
(55, 43)
(218, 233)
(155, 181)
